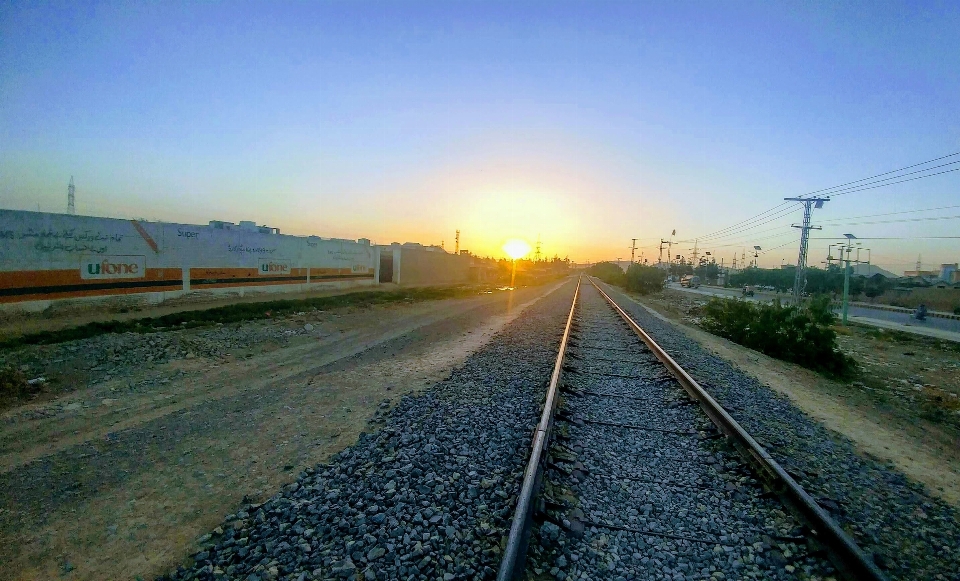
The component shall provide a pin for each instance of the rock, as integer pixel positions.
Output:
(308, 327)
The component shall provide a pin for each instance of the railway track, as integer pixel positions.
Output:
(636, 472)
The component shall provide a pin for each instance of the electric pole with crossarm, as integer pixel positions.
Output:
(800, 280)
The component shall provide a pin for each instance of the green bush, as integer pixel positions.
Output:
(638, 278)
(798, 335)
(13, 383)
(644, 279)
(609, 273)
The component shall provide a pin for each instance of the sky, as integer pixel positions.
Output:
(585, 124)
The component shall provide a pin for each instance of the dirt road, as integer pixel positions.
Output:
(168, 432)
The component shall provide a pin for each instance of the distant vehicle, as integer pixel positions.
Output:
(748, 290)
(690, 281)
(921, 312)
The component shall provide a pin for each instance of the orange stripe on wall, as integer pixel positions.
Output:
(31, 278)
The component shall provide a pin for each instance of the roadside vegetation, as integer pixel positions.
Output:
(911, 377)
(801, 335)
(874, 289)
(14, 384)
(237, 313)
(638, 278)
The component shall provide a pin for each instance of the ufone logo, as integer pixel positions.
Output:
(94, 267)
(274, 267)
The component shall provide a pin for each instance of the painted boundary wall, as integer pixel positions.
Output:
(50, 257)
(424, 267)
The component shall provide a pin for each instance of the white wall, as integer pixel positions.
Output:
(47, 257)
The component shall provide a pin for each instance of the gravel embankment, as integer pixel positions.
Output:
(83, 363)
(910, 533)
(427, 496)
(657, 495)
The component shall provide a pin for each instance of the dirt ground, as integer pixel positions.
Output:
(119, 477)
(72, 313)
(903, 407)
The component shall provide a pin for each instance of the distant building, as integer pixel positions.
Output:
(870, 270)
(923, 273)
(948, 272)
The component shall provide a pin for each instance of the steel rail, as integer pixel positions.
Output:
(843, 551)
(515, 553)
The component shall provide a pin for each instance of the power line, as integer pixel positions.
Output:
(893, 238)
(840, 190)
(744, 222)
(892, 213)
(900, 220)
(900, 182)
(886, 173)
(853, 189)
(739, 230)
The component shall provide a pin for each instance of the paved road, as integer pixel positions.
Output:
(948, 329)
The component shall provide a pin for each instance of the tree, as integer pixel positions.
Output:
(644, 279)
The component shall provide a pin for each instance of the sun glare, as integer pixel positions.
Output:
(516, 248)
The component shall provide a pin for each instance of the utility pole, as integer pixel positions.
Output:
(800, 281)
(669, 244)
(537, 253)
(456, 248)
(846, 275)
(633, 250)
(695, 242)
(71, 198)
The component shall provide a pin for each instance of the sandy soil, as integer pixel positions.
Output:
(80, 312)
(927, 451)
(110, 484)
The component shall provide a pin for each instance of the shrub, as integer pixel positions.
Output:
(609, 273)
(13, 383)
(644, 279)
(798, 335)
(638, 278)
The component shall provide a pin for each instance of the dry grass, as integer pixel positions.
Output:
(937, 299)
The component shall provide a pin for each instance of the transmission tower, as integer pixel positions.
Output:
(71, 205)
(537, 253)
(456, 248)
(800, 281)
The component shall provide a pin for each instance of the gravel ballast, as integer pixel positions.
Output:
(429, 495)
(649, 490)
(909, 533)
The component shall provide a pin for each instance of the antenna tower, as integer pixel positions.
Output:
(456, 248)
(800, 281)
(71, 198)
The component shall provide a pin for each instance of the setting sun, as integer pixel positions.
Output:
(516, 248)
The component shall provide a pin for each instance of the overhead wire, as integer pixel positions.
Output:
(839, 190)
(892, 213)
(885, 173)
(859, 189)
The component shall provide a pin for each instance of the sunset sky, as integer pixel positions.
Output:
(586, 123)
